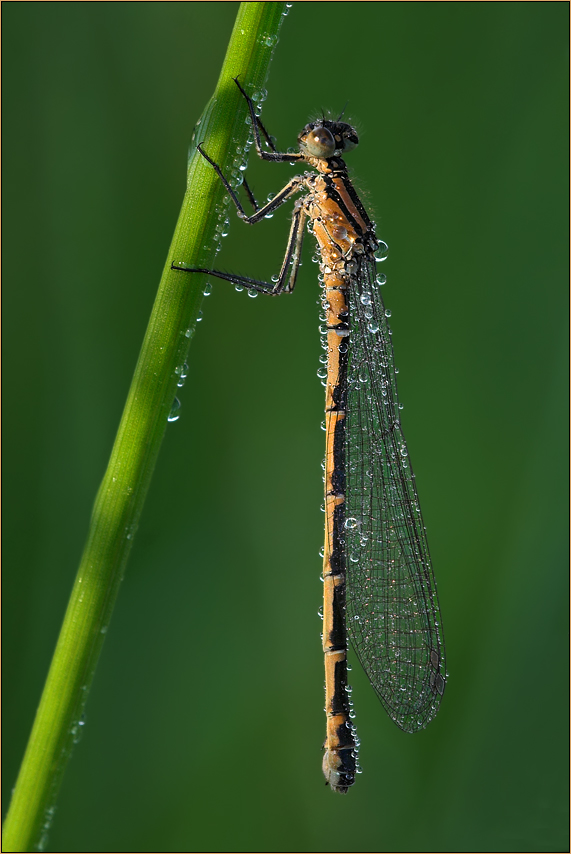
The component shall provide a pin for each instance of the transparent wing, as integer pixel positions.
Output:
(392, 607)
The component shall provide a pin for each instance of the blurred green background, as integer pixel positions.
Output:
(205, 722)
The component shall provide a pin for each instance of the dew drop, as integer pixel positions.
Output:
(174, 414)
(182, 372)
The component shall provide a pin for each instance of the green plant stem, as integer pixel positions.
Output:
(122, 493)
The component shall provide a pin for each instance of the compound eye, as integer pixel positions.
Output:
(350, 138)
(350, 141)
(318, 142)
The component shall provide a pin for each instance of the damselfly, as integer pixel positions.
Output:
(379, 586)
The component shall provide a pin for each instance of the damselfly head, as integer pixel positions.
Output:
(325, 138)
